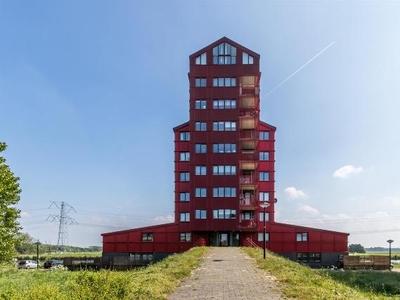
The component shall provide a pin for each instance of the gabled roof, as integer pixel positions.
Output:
(182, 126)
(225, 40)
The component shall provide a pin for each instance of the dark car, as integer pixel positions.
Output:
(52, 263)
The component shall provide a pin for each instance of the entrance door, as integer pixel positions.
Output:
(224, 239)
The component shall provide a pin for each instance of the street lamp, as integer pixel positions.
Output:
(265, 205)
(390, 252)
(37, 253)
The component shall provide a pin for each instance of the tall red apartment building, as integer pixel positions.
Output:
(225, 172)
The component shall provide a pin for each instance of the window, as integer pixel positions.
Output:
(184, 217)
(224, 126)
(184, 176)
(308, 257)
(201, 59)
(247, 215)
(184, 136)
(264, 155)
(184, 196)
(264, 135)
(224, 170)
(301, 237)
(247, 59)
(224, 81)
(147, 237)
(224, 148)
(200, 104)
(224, 104)
(224, 214)
(264, 176)
(262, 216)
(224, 192)
(184, 156)
(200, 170)
(200, 148)
(200, 192)
(200, 126)
(200, 214)
(186, 237)
(264, 196)
(200, 82)
(261, 236)
(224, 54)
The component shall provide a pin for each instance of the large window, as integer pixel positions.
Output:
(264, 135)
(247, 215)
(264, 176)
(261, 236)
(200, 148)
(224, 81)
(264, 155)
(224, 192)
(200, 104)
(184, 136)
(224, 54)
(201, 59)
(247, 59)
(184, 176)
(147, 237)
(186, 237)
(200, 192)
(301, 237)
(264, 196)
(224, 148)
(184, 196)
(184, 156)
(200, 170)
(224, 104)
(224, 170)
(200, 82)
(224, 214)
(200, 126)
(200, 214)
(224, 126)
(185, 217)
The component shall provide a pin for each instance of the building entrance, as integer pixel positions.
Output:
(224, 239)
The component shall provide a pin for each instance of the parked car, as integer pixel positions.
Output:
(52, 263)
(28, 264)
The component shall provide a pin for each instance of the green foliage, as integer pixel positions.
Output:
(301, 282)
(356, 248)
(153, 282)
(9, 197)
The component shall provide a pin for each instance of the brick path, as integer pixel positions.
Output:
(227, 273)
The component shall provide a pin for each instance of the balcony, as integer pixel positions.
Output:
(247, 203)
(248, 119)
(248, 102)
(250, 225)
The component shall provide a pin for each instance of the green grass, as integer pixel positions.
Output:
(300, 282)
(153, 282)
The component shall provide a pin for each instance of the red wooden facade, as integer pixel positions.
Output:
(225, 170)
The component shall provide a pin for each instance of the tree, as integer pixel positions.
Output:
(357, 248)
(25, 244)
(9, 214)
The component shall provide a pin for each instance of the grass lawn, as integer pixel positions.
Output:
(300, 282)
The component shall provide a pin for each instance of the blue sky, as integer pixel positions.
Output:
(90, 92)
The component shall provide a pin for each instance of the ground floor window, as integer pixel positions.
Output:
(186, 237)
(308, 257)
(261, 236)
(141, 257)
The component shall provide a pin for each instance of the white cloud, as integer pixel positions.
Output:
(167, 218)
(347, 171)
(309, 210)
(292, 193)
(24, 214)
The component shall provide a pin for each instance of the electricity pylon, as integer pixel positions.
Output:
(64, 220)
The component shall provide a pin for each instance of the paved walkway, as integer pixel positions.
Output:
(227, 273)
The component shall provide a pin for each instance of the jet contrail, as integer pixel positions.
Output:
(299, 69)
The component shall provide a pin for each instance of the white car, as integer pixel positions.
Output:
(28, 264)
